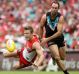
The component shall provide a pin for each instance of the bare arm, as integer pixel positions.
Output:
(11, 54)
(42, 23)
(59, 29)
(40, 54)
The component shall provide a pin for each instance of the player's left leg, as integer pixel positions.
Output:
(62, 52)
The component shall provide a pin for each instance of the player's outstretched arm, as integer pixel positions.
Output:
(10, 54)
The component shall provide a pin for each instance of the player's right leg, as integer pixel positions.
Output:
(10, 54)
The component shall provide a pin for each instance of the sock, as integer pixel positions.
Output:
(66, 72)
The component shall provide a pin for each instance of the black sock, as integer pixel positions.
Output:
(66, 72)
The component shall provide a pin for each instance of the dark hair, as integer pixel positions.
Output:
(29, 28)
(56, 2)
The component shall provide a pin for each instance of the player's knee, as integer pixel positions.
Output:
(57, 58)
(62, 58)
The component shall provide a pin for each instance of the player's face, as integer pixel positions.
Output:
(54, 8)
(27, 34)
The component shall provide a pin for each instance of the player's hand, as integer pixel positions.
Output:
(34, 66)
(44, 41)
(6, 54)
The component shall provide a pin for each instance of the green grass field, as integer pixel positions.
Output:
(30, 72)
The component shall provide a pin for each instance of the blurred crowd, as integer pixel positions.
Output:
(16, 14)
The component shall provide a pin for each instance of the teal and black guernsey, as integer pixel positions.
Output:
(51, 25)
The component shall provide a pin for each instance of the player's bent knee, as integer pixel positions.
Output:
(57, 58)
(62, 58)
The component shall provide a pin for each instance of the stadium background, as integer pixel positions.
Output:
(16, 14)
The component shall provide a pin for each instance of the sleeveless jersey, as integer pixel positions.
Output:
(28, 54)
(51, 25)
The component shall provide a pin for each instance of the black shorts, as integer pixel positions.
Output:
(59, 41)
